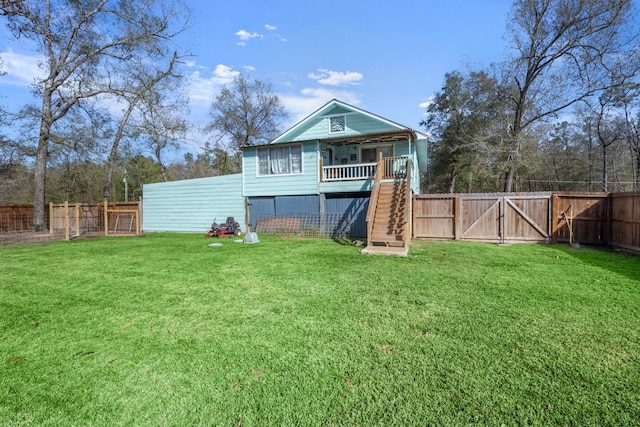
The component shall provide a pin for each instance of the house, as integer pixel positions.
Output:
(342, 169)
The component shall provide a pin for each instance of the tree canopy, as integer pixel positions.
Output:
(88, 48)
(565, 54)
(247, 112)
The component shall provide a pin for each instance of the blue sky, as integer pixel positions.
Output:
(387, 57)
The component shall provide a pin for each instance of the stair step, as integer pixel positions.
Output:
(394, 206)
(387, 231)
(388, 225)
(396, 222)
(383, 216)
(398, 191)
(390, 202)
(389, 222)
(387, 237)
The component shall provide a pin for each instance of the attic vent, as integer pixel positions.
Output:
(337, 123)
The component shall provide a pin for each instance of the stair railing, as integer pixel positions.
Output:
(373, 200)
(408, 214)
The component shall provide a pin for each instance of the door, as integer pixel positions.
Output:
(328, 156)
(370, 154)
(260, 207)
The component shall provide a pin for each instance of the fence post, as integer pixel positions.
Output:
(138, 220)
(456, 218)
(77, 219)
(51, 218)
(555, 214)
(66, 220)
(106, 218)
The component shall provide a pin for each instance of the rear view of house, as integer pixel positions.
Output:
(327, 164)
(341, 171)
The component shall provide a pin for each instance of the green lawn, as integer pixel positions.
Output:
(164, 330)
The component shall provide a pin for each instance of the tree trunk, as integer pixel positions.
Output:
(110, 165)
(114, 151)
(636, 174)
(452, 180)
(40, 175)
(605, 174)
(508, 179)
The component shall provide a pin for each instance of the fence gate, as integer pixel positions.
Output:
(505, 217)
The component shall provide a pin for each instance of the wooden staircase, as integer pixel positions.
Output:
(389, 216)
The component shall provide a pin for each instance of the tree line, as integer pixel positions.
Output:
(561, 112)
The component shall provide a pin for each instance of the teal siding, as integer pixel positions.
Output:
(319, 129)
(281, 185)
(422, 154)
(346, 186)
(192, 205)
(308, 181)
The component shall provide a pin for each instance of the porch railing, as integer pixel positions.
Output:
(348, 172)
(394, 167)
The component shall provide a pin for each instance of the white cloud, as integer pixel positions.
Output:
(204, 88)
(273, 28)
(194, 64)
(245, 36)
(310, 99)
(424, 105)
(249, 67)
(336, 78)
(21, 69)
(224, 74)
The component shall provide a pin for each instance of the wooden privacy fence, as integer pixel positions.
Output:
(590, 218)
(499, 217)
(625, 220)
(76, 219)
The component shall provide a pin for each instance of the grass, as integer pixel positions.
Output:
(164, 330)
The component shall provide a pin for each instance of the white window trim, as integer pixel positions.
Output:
(268, 147)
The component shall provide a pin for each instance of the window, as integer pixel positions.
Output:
(280, 160)
(337, 124)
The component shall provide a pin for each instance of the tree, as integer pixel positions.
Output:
(84, 44)
(142, 93)
(246, 113)
(162, 127)
(630, 105)
(633, 140)
(564, 49)
(608, 132)
(562, 159)
(464, 120)
(141, 170)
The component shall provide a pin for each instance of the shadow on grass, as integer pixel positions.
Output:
(607, 258)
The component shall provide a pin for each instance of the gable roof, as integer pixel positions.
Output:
(336, 107)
